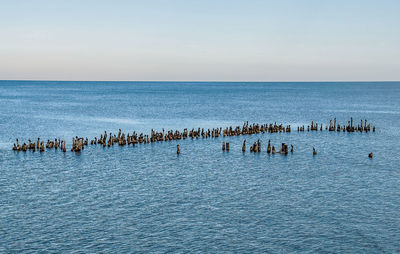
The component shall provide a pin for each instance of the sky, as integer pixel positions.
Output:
(200, 40)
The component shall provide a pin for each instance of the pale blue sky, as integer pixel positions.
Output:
(282, 40)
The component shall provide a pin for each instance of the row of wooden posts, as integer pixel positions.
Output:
(256, 147)
(122, 139)
(350, 127)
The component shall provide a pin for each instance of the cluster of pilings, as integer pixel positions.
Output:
(78, 144)
(135, 138)
(284, 149)
(122, 139)
(39, 145)
(256, 148)
(333, 126)
(225, 146)
(255, 129)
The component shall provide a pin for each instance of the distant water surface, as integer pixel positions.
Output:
(147, 199)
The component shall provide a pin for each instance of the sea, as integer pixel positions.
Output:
(147, 199)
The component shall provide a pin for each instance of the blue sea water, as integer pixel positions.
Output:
(147, 199)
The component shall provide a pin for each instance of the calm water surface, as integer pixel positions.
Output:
(146, 199)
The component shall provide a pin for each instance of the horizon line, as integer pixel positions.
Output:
(203, 81)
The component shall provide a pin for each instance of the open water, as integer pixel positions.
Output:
(147, 199)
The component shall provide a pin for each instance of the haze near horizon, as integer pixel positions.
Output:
(200, 40)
